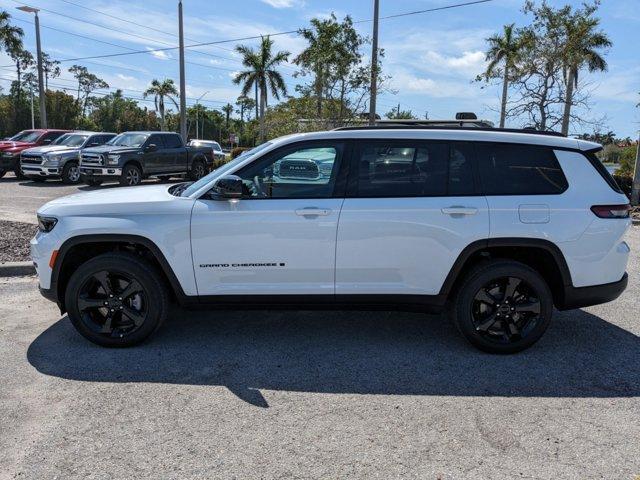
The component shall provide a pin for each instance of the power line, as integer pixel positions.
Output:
(252, 37)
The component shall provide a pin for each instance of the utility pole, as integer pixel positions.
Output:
(183, 94)
(635, 188)
(41, 92)
(33, 117)
(374, 64)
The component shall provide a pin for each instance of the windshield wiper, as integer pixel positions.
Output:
(177, 191)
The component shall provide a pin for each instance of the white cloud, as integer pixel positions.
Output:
(283, 3)
(470, 63)
(126, 78)
(160, 54)
(408, 82)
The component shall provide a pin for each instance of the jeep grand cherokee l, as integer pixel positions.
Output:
(496, 227)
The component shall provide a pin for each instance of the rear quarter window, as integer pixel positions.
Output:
(511, 169)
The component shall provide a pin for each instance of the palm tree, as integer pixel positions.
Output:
(261, 72)
(228, 110)
(10, 36)
(160, 91)
(505, 48)
(581, 50)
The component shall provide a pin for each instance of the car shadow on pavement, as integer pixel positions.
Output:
(382, 353)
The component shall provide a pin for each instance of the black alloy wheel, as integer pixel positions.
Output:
(198, 170)
(116, 299)
(71, 173)
(112, 304)
(506, 310)
(502, 306)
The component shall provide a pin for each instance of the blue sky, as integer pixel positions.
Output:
(432, 57)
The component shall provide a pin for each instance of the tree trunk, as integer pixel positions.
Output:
(263, 101)
(568, 101)
(161, 115)
(505, 89)
(319, 90)
(257, 100)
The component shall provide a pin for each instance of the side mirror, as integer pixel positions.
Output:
(152, 147)
(227, 187)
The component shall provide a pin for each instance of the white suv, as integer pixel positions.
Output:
(494, 226)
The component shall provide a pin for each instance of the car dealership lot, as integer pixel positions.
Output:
(318, 394)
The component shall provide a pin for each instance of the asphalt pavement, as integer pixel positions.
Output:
(319, 395)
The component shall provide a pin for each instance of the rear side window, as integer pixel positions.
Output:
(172, 141)
(602, 170)
(507, 169)
(414, 169)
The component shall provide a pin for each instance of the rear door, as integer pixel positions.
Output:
(175, 153)
(280, 238)
(412, 206)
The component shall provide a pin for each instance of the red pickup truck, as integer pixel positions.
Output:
(10, 149)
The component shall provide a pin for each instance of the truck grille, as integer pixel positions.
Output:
(31, 158)
(92, 159)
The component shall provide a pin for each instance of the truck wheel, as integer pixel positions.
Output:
(71, 173)
(198, 170)
(93, 183)
(2, 173)
(502, 306)
(18, 173)
(131, 176)
(116, 300)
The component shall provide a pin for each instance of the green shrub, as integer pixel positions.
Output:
(627, 162)
(624, 182)
(237, 151)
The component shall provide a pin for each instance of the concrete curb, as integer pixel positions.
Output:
(17, 269)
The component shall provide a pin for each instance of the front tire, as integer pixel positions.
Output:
(131, 176)
(18, 172)
(503, 306)
(2, 173)
(116, 300)
(71, 173)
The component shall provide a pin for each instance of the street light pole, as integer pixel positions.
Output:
(183, 96)
(41, 92)
(198, 115)
(374, 63)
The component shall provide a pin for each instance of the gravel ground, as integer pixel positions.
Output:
(14, 240)
(319, 395)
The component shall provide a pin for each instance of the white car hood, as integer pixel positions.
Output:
(114, 201)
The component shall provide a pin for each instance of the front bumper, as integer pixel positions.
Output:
(97, 172)
(593, 295)
(39, 171)
(9, 163)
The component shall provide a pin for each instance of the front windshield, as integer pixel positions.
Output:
(129, 140)
(71, 140)
(194, 187)
(28, 136)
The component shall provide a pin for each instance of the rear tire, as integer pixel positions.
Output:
(116, 300)
(131, 176)
(71, 173)
(198, 170)
(2, 173)
(502, 306)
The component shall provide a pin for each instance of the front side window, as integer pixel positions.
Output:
(414, 169)
(510, 169)
(295, 172)
(71, 140)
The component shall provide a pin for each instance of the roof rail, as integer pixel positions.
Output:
(452, 127)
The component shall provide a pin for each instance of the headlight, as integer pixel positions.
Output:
(53, 159)
(113, 159)
(46, 224)
(8, 154)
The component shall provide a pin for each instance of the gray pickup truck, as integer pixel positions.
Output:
(132, 156)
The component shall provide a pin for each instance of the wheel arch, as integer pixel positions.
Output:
(79, 249)
(542, 255)
(135, 162)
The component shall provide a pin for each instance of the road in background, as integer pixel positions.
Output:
(319, 395)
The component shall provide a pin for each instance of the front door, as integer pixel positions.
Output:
(280, 238)
(154, 157)
(411, 208)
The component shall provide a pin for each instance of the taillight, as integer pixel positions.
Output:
(612, 211)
